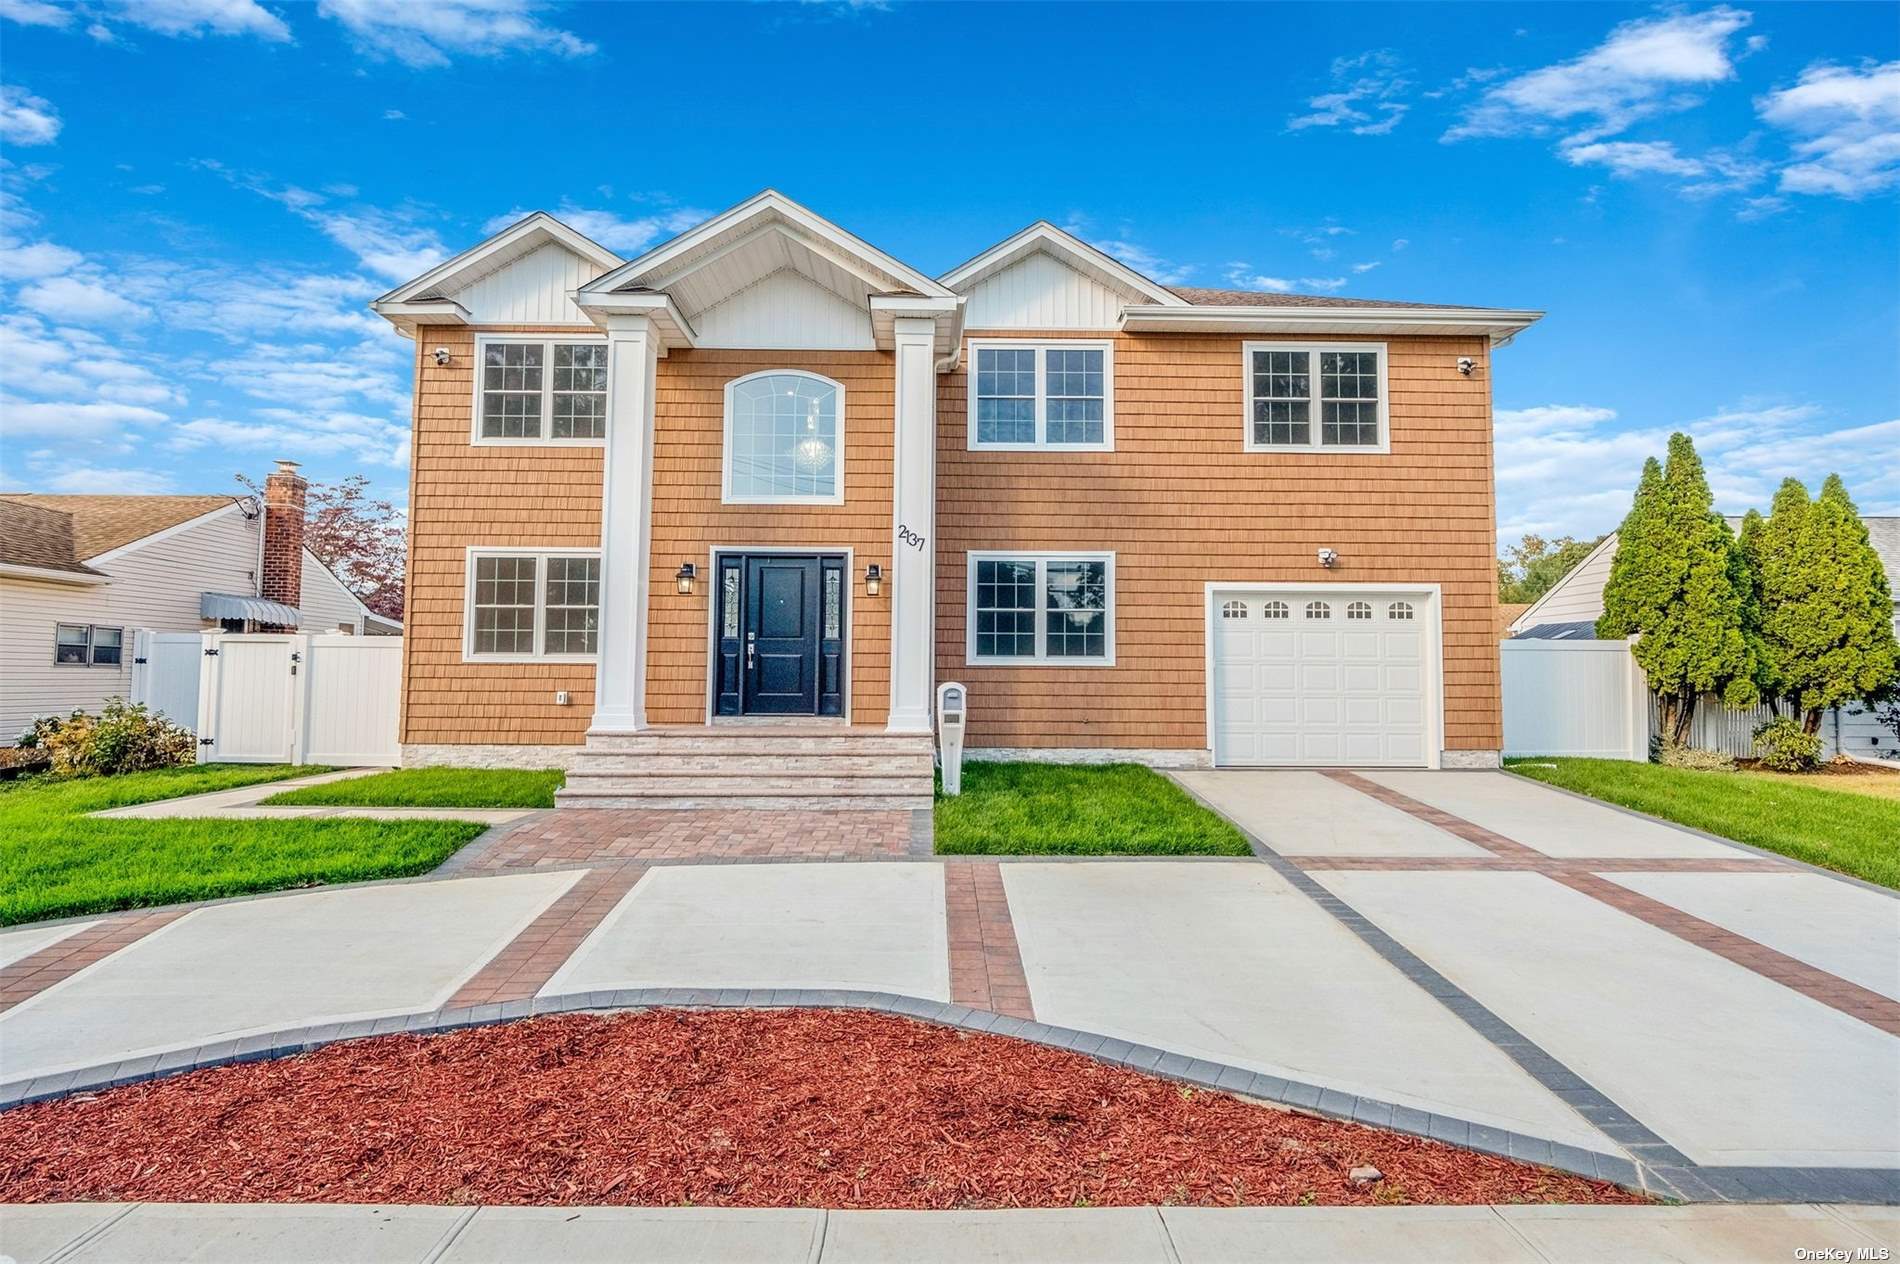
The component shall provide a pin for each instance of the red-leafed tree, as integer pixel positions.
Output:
(364, 540)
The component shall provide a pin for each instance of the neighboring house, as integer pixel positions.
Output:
(1570, 609)
(80, 574)
(766, 470)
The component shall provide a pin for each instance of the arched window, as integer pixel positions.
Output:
(1318, 610)
(1274, 610)
(784, 438)
(1359, 610)
(1399, 610)
(1234, 610)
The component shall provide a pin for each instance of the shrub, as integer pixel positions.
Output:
(38, 729)
(1784, 746)
(119, 739)
(1678, 755)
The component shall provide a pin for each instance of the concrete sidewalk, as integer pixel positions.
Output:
(98, 1233)
(242, 804)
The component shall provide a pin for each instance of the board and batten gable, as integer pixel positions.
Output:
(1181, 504)
(157, 583)
(785, 310)
(1038, 292)
(536, 289)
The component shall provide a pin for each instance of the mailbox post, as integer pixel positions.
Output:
(951, 713)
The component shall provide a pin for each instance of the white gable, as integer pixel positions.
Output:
(786, 311)
(1039, 291)
(532, 290)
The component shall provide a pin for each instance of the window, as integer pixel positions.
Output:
(1318, 610)
(1026, 608)
(1275, 610)
(1359, 610)
(534, 391)
(1233, 610)
(1042, 395)
(784, 439)
(1399, 610)
(523, 604)
(88, 645)
(1326, 397)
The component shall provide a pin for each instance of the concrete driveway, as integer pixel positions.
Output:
(1463, 955)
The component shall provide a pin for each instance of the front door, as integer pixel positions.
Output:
(781, 643)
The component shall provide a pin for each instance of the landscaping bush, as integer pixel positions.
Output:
(1784, 746)
(38, 729)
(1680, 755)
(120, 738)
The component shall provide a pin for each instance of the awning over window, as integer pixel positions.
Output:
(254, 609)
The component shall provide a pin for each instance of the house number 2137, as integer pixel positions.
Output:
(906, 536)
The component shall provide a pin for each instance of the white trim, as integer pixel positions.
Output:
(547, 343)
(91, 644)
(1431, 595)
(1041, 557)
(113, 554)
(851, 579)
(541, 553)
(1041, 346)
(727, 496)
(1498, 323)
(536, 222)
(1042, 235)
(43, 574)
(1315, 405)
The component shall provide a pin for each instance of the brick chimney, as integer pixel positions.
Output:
(282, 580)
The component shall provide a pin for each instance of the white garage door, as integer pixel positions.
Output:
(1322, 677)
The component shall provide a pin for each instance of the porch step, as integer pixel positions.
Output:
(811, 766)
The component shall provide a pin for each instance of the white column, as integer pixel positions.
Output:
(626, 517)
(912, 587)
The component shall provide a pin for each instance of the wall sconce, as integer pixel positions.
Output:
(873, 580)
(684, 578)
(1328, 558)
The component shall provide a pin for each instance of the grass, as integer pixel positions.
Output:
(55, 861)
(1070, 810)
(1851, 833)
(435, 788)
(1878, 785)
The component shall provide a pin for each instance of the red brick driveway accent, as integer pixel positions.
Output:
(34, 973)
(986, 966)
(523, 968)
(569, 837)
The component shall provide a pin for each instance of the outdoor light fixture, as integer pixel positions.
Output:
(441, 355)
(1466, 364)
(873, 579)
(684, 578)
(1328, 558)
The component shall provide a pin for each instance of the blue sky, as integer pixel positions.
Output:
(201, 195)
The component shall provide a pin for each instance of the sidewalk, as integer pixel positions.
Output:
(99, 1233)
(242, 804)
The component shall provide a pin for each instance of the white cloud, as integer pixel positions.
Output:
(197, 18)
(66, 420)
(1645, 67)
(384, 244)
(425, 34)
(1365, 267)
(86, 480)
(620, 235)
(1325, 285)
(1137, 256)
(35, 13)
(315, 376)
(28, 261)
(1367, 96)
(75, 299)
(301, 433)
(1848, 125)
(1242, 276)
(393, 116)
(26, 119)
(1629, 158)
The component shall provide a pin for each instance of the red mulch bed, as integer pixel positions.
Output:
(739, 1109)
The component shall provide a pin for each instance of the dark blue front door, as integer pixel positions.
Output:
(788, 655)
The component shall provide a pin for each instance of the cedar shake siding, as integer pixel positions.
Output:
(1180, 503)
(689, 521)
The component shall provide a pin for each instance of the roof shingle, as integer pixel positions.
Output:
(99, 524)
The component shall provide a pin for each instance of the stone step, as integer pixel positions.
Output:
(760, 742)
(821, 763)
(710, 785)
(756, 803)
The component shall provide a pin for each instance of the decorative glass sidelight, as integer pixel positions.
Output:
(729, 603)
(834, 582)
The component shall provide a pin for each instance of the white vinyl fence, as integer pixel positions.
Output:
(1585, 698)
(298, 698)
(165, 673)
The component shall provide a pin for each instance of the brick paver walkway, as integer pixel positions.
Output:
(58, 961)
(521, 969)
(986, 965)
(568, 837)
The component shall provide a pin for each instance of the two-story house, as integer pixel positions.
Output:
(711, 524)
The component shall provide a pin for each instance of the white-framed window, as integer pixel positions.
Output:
(1047, 608)
(1274, 610)
(1233, 610)
(1317, 397)
(550, 390)
(1056, 395)
(784, 439)
(1399, 610)
(88, 645)
(1318, 610)
(1359, 610)
(532, 604)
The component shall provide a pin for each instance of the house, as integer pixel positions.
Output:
(1570, 609)
(766, 473)
(80, 574)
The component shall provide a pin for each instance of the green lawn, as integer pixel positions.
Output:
(55, 861)
(1855, 834)
(436, 788)
(1073, 810)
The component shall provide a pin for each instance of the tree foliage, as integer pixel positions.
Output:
(1673, 586)
(365, 541)
(1531, 567)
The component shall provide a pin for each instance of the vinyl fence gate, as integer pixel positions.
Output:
(1584, 698)
(299, 698)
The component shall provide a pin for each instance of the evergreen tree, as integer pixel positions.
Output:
(1745, 569)
(1786, 582)
(1676, 592)
(1829, 626)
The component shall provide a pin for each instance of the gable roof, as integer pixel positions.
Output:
(432, 293)
(99, 524)
(1267, 298)
(1069, 249)
(35, 538)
